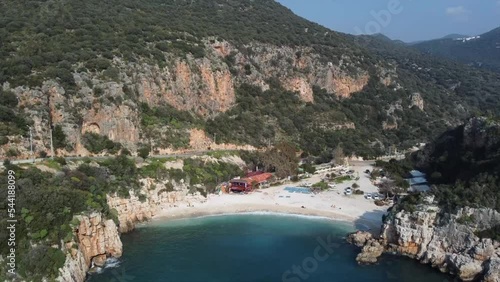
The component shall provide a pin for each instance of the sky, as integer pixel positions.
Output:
(407, 20)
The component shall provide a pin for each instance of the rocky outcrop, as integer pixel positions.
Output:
(492, 273)
(372, 249)
(98, 240)
(109, 103)
(445, 241)
(417, 101)
(198, 140)
(153, 197)
(75, 268)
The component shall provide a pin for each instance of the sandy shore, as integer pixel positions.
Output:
(362, 213)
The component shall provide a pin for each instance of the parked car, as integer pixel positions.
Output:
(368, 196)
(376, 196)
(348, 191)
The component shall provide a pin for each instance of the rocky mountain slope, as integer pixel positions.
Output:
(481, 51)
(163, 74)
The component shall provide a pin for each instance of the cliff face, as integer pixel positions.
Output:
(98, 240)
(442, 241)
(108, 104)
(156, 196)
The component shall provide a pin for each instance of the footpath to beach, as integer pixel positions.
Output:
(363, 213)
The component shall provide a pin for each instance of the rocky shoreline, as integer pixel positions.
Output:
(439, 240)
(99, 238)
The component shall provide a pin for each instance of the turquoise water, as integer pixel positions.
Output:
(253, 248)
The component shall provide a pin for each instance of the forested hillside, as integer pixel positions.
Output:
(464, 164)
(481, 51)
(147, 74)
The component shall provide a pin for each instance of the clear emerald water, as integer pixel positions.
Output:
(253, 248)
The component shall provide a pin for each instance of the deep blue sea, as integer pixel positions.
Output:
(253, 248)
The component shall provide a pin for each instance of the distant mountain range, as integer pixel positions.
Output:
(480, 51)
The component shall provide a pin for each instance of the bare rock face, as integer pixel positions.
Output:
(203, 86)
(359, 238)
(444, 243)
(370, 252)
(417, 101)
(98, 240)
(492, 270)
(439, 240)
(74, 269)
(156, 196)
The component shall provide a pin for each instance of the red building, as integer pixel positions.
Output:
(245, 184)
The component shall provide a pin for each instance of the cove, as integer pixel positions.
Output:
(255, 247)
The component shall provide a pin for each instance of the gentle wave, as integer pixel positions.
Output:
(260, 213)
(112, 263)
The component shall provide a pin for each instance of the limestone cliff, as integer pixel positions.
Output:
(98, 240)
(441, 240)
(155, 196)
(109, 103)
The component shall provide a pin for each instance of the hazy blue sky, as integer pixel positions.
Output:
(408, 20)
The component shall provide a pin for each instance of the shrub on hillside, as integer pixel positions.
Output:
(96, 143)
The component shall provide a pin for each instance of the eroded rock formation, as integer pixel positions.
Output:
(98, 240)
(439, 240)
(205, 86)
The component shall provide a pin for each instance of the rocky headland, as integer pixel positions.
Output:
(444, 241)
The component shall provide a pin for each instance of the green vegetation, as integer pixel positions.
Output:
(221, 154)
(96, 143)
(466, 86)
(144, 152)
(358, 192)
(59, 137)
(468, 165)
(209, 174)
(155, 169)
(466, 219)
(493, 233)
(99, 31)
(320, 185)
(52, 164)
(166, 125)
(409, 203)
(480, 52)
(342, 179)
(86, 37)
(49, 203)
(11, 122)
(464, 165)
(308, 168)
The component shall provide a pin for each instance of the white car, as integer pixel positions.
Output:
(376, 197)
(348, 191)
(368, 196)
